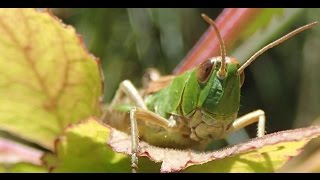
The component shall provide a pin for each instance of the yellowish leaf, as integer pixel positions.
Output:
(47, 78)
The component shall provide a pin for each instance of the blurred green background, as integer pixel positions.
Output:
(284, 82)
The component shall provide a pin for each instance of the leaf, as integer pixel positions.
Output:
(16, 157)
(23, 168)
(265, 154)
(307, 161)
(12, 153)
(83, 148)
(47, 78)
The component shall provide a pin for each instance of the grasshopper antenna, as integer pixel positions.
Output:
(275, 43)
(222, 71)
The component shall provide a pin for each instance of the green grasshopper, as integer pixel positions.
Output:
(192, 109)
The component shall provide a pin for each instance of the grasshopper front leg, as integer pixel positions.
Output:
(134, 140)
(147, 116)
(139, 112)
(248, 119)
(127, 88)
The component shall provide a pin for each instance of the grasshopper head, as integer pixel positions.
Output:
(218, 99)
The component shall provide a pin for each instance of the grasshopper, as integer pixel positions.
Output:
(191, 109)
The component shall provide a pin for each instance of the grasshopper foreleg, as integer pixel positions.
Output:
(248, 119)
(147, 116)
(127, 88)
(134, 140)
(139, 112)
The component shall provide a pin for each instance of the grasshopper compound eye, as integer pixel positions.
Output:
(204, 71)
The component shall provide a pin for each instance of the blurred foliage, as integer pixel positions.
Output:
(308, 104)
(130, 40)
(283, 82)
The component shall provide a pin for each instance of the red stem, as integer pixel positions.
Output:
(231, 23)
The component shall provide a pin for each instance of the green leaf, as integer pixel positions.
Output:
(23, 168)
(265, 154)
(47, 78)
(83, 148)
